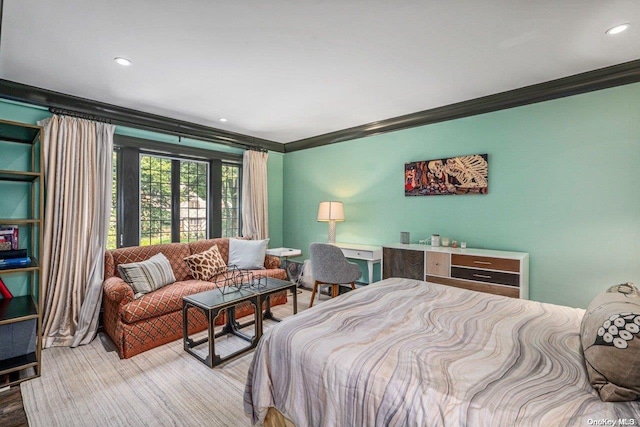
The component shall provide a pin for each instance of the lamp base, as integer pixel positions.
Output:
(332, 231)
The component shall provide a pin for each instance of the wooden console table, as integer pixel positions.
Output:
(495, 272)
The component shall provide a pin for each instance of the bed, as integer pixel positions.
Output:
(403, 352)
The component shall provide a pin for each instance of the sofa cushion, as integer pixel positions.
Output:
(247, 254)
(175, 253)
(147, 276)
(162, 301)
(206, 264)
(610, 337)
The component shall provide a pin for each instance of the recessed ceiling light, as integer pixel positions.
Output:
(617, 29)
(222, 119)
(122, 61)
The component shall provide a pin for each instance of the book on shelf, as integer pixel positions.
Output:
(10, 254)
(9, 237)
(4, 291)
(15, 263)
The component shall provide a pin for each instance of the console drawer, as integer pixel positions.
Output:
(438, 264)
(497, 277)
(357, 254)
(490, 263)
(507, 291)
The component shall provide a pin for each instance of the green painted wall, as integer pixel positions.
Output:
(563, 186)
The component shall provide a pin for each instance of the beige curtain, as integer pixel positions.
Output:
(255, 207)
(77, 157)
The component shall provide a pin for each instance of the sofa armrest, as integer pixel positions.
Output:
(271, 262)
(117, 290)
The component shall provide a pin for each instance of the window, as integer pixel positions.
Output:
(165, 193)
(194, 196)
(230, 200)
(155, 200)
(163, 181)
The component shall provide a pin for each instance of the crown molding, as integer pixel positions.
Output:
(129, 117)
(603, 78)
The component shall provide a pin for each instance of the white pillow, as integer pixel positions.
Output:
(247, 254)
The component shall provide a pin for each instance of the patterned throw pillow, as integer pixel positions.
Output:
(610, 336)
(147, 276)
(206, 264)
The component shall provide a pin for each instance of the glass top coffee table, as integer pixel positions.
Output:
(212, 302)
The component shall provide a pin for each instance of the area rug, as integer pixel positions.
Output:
(165, 386)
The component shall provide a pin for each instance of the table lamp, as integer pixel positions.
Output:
(331, 212)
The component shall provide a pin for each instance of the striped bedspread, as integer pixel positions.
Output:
(407, 353)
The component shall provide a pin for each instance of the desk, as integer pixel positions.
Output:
(284, 252)
(371, 254)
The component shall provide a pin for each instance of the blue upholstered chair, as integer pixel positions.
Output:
(330, 267)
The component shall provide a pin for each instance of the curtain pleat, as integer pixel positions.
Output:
(255, 206)
(77, 156)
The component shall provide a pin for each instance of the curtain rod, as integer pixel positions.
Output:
(78, 115)
(85, 116)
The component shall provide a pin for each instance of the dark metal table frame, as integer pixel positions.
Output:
(226, 302)
(219, 302)
(265, 295)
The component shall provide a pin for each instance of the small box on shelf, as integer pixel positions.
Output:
(9, 238)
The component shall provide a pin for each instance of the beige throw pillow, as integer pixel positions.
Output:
(611, 343)
(147, 276)
(206, 264)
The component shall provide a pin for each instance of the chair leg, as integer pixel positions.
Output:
(335, 290)
(313, 293)
(353, 285)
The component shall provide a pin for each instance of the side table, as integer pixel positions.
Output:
(284, 254)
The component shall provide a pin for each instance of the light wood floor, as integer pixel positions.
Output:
(90, 385)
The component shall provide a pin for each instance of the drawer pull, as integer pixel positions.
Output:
(483, 276)
(482, 262)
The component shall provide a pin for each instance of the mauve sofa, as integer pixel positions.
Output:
(137, 325)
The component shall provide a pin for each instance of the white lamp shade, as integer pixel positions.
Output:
(331, 211)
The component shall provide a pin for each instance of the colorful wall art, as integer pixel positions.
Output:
(455, 175)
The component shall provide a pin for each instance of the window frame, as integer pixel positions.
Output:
(128, 185)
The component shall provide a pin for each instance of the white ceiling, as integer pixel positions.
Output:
(285, 70)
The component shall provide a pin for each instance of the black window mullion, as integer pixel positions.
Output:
(175, 200)
(215, 198)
